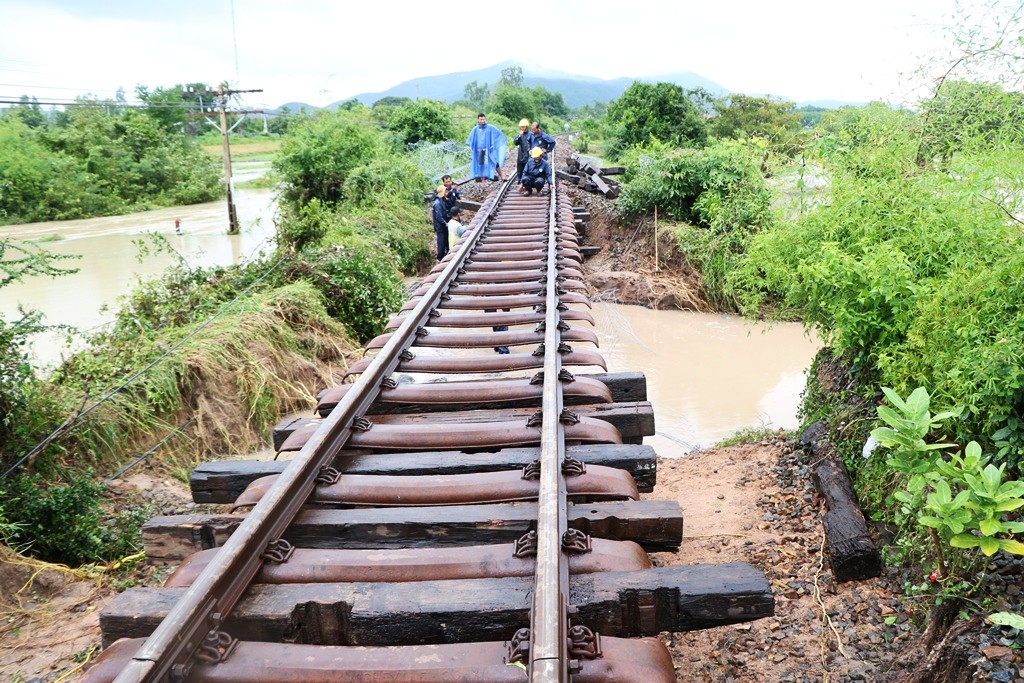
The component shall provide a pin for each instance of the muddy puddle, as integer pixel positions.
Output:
(708, 376)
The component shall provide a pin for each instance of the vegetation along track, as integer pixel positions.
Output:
(481, 522)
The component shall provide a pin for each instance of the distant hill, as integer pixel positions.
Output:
(293, 107)
(577, 90)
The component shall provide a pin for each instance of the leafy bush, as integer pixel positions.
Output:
(93, 162)
(655, 111)
(427, 120)
(742, 116)
(961, 500)
(385, 177)
(873, 141)
(65, 522)
(965, 116)
(915, 272)
(317, 155)
(59, 522)
(361, 287)
(722, 194)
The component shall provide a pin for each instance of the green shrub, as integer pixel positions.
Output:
(655, 111)
(385, 177)
(317, 155)
(58, 522)
(722, 195)
(361, 287)
(427, 120)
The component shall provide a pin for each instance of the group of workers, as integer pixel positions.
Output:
(489, 146)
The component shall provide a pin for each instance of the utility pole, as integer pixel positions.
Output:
(222, 94)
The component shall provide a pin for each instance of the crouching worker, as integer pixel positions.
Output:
(537, 172)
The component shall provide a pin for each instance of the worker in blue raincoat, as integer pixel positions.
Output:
(488, 145)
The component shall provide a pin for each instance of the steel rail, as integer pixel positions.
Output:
(168, 653)
(549, 630)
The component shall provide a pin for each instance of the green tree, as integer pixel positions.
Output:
(514, 104)
(810, 116)
(743, 116)
(511, 77)
(656, 111)
(427, 120)
(964, 115)
(476, 95)
(167, 106)
(28, 111)
(549, 103)
(702, 98)
(317, 156)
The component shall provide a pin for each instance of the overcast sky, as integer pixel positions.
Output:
(321, 51)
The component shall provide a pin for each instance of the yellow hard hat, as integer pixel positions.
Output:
(536, 152)
(523, 122)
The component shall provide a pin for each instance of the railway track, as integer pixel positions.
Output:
(481, 522)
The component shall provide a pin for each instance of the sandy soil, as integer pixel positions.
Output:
(751, 503)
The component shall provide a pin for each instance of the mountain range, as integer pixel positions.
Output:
(577, 90)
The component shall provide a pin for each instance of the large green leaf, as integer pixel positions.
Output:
(1012, 546)
(989, 545)
(1007, 619)
(990, 526)
(965, 541)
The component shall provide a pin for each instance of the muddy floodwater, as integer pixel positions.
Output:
(108, 266)
(708, 375)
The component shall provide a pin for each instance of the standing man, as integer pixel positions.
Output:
(452, 195)
(439, 215)
(541, 139)
(524, 143)
(488, 145)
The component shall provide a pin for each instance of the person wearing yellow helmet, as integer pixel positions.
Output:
(523, 142)
(536, 173)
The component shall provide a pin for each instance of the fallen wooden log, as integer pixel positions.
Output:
(606, 188)
(567, 177)
(618, 604)
(590, 251)
(655, 525)
(852, 553)
(851, 550)
(224, 481)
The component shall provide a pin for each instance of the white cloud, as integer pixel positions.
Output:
(319, 51)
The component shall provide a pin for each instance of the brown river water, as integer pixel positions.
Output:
(708, 376)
